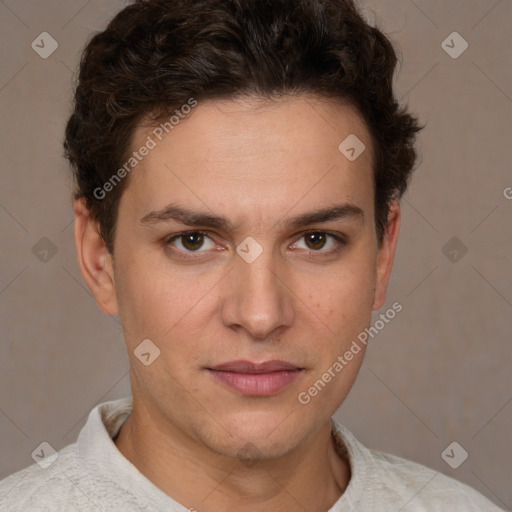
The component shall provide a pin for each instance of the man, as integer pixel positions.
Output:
(239, 166)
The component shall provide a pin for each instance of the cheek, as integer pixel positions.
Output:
(345, 300)
(158, 301)
(143, 295)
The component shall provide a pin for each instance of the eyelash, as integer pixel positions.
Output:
(341, 241)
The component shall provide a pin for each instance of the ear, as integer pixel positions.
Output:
(386, 255)
(94, 259)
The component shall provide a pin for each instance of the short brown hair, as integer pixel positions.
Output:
(156, 54)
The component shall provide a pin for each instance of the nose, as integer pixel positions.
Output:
(258, 298)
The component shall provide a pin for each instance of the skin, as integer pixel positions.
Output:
(257, 163)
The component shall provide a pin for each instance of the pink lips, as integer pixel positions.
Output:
(256, 379)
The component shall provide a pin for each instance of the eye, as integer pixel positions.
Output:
(317, 240)
(185, 244)
(190, 241)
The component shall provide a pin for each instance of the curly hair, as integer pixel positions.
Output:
(155, 55)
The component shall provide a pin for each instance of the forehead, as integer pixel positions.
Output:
(256, 154)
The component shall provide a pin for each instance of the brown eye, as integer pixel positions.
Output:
(192, 241)
(315, 241)
(321, 242)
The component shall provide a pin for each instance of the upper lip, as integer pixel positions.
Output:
(250, 367)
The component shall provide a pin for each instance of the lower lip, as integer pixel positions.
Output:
(257, 384)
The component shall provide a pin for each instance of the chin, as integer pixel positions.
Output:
(254, 448)
(256, 435)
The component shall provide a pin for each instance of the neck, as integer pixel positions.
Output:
(312, 477)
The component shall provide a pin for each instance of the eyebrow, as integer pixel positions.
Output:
(173, 212)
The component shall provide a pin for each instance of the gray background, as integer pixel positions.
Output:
(439, 372)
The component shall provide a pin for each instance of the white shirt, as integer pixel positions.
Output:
(92, 474)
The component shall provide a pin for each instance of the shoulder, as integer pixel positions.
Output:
(43, 488)
(394, 483)
(425, 489)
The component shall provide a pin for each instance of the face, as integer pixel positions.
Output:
(277, 273)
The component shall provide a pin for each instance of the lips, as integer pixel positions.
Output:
(248, 367)
(256, 379)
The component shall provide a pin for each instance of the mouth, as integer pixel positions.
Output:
(256, 379)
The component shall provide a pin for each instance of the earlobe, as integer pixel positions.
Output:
(94, 259)
(386, 255)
